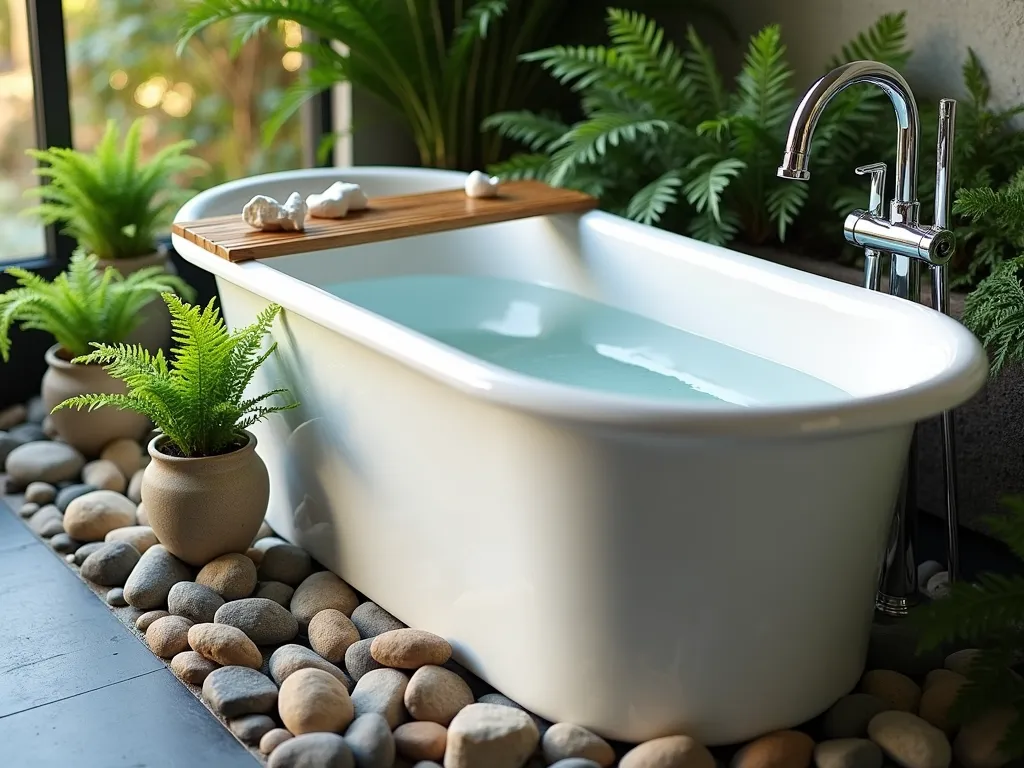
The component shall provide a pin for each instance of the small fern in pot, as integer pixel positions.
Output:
(115, 204)
(206, 489)
(82, 305)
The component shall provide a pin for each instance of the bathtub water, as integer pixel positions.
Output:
(568, 339)
(640, 483)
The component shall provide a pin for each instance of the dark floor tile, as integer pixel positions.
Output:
(57, 638)
(146, 722)
(13, 532)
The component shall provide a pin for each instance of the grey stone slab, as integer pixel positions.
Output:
(58, 639)
(13, 533)
(149, 721)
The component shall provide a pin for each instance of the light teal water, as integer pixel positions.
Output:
(564, 338)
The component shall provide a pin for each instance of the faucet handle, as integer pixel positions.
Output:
(877, 171)
(872, 256)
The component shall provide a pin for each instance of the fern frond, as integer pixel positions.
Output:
(536, 132)
(974, 611)
(82, 304)
(994, 311)
(198, 399)
(591, 139)
(522, 166)
(109, 201)
(649, 204)
(884, 41)
(784, 205)
(764, 92)
(704, 191)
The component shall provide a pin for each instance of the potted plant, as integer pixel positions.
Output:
(83, 304)
(115, 204)
(206, 489)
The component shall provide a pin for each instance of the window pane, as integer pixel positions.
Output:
(123, 64)
(20, 236)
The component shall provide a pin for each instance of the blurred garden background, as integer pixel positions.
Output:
(122, 65)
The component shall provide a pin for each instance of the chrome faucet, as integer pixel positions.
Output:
(908, 243)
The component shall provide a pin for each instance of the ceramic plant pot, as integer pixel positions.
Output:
(205, 507)
(87, 431)
(154, 329)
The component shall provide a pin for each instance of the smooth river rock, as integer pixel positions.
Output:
(167, 637)
(226, 645)
(134, 491)
(313, 700)
(141, 537)
(381, 691)
(104, 475)
(273, 739)
(125, 454)
(896, 690)
(284, 562)
(421, 741)
(668, 752)
(317, 593)
(69, 493)
(43, 461)
(93, 515)
(290, 658)
(277, 591)
(491, 735)
(848, 753)
(250, 729)
(410, 649)
(977, 744)
(264, 621)
(111, 564)
(372, 620)
(437, 694)
(331, 633)
(237, 691)
(232, 576)
(142, 623)
(909, 741)
(312, 750)
(47, 522)
(191, 667)
(40, 493)
(151, 580)
(194, 602)
(781, 749)
(371, 742)
(939, 694)
(564, 740)
(358, 660)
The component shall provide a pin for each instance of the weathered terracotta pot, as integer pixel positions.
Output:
(87, 431)
(154, 329)
(206, 507)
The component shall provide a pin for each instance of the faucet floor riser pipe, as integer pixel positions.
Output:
(908, 244)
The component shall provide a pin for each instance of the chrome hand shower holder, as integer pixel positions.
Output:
(907, 243)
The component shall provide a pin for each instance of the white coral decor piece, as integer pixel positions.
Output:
(479, 184)
(337, 200)
(266, 214)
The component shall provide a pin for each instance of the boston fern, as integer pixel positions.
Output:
(111, 201)
(83, 304)
(664, 140)
(198, 399)
(988, 614)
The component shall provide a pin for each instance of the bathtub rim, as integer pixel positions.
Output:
(962, 378)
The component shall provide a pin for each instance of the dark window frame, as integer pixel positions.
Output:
(52, 112)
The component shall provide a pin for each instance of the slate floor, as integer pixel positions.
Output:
(78, 688)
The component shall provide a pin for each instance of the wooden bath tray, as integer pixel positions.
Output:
(386, 218)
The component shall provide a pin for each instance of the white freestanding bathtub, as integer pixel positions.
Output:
(638, 566)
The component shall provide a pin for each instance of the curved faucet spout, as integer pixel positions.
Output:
(801, 129)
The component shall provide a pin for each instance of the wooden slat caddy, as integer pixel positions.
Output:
(386, 218)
